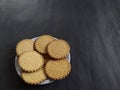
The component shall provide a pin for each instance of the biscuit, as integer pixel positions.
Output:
(24, 46)
(34, 77)
(46, 58)
(58, 49)
(57, 70)
(42, 42)
(30, 61)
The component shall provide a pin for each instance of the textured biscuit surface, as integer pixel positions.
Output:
(24, 46)
(30, 61)
(58, 49)
(57, 69)
(34, 77)
(42, 42)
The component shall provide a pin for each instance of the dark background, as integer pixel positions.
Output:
(92, 28)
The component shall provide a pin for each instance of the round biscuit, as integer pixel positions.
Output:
(30, 61)
(34, 77)
(57, 70)
(58, 49)
(42, 42)
(24, 46)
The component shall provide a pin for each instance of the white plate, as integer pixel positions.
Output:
(18, 69)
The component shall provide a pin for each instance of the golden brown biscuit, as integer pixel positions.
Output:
(57, 70)
(24, 46)
(58, 49)
(30, 61)
(42, 42)
(34, 77)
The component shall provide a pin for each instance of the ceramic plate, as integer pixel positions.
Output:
(18, 69)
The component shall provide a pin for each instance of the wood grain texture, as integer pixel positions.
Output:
(92, 27)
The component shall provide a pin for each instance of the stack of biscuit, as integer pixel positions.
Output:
(44, 58)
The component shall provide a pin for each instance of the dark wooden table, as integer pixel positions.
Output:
(90, 26)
